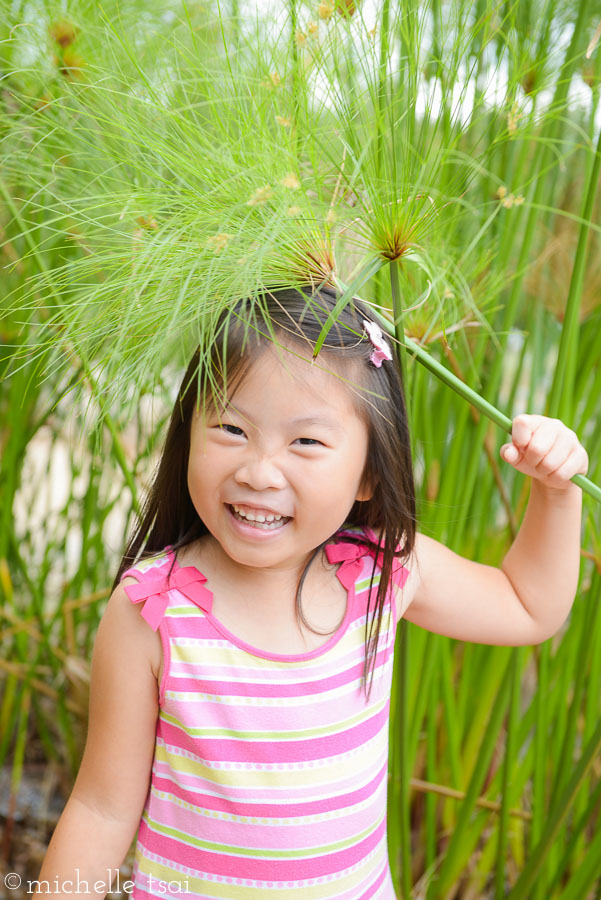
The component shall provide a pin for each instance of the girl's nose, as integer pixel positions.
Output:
(260, 473)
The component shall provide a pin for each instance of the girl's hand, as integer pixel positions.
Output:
(547, 450)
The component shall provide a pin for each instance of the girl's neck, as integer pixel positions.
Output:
(270, 583)
(258, 605)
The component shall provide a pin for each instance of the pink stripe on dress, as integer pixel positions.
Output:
(229, 862)
(300, 808)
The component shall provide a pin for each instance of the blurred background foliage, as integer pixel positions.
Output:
(157, 160)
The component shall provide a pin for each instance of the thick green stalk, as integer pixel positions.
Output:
(468, 394)
(431, 764)
(567, 358)
(20, 739)
(13, 451)
(578, 688)
(592, 700)
(9, 711)
(541, 747)
(399, 329)
(450, 712)
(508, 767)
(487, 668)
(424, 646)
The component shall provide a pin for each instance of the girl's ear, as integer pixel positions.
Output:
(366, 489)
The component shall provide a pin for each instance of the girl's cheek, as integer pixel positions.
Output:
(199, 449)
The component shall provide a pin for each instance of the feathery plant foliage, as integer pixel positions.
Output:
(442, 160)
(195, 178)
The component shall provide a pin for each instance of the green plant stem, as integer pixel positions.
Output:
(508, 767)
(567, 357)
(398, 315)
(468, 394)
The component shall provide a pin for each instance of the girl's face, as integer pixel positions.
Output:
(289, 444)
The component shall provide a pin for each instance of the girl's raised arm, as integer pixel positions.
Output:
(529, 597)
(103, 812)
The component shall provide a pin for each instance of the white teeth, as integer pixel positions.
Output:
(259, 517)
(266, 522)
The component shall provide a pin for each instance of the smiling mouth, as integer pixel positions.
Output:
(264, 522)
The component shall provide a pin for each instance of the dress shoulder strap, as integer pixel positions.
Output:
(144, 568)
(351, 556)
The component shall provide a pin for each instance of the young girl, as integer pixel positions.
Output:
(231, 717)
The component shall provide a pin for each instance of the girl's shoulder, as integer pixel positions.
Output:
(137, 585)
(122, 622)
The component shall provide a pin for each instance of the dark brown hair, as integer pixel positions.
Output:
(242, 333)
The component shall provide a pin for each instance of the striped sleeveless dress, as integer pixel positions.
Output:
(270, 771)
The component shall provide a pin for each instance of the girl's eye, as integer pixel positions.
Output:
(234, 427)
(236, 432)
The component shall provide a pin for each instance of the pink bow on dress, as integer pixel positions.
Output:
(350, 555)
(189, 581)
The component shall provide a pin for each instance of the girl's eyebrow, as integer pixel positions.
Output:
(311, 419)
(322, 421)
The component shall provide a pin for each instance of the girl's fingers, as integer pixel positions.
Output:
(575, 464)
(544, 438)
(567, 471)
(546, 449)
(510, 453)
(522, 429)
(555, 457)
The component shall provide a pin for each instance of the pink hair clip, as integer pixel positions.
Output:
(382, 350)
